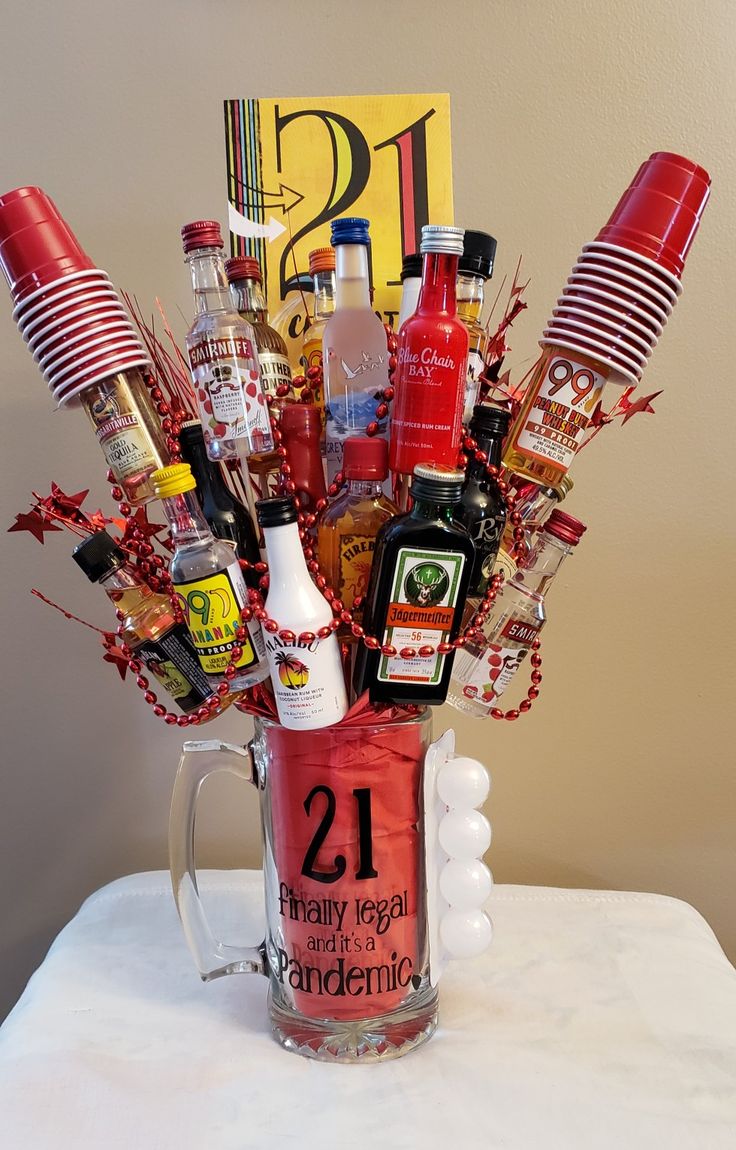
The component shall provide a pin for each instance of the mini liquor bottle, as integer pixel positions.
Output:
(419, 580)
(208, 580)
(322, 271)
(306, 671)
(222, 355)
(149, 627)
(560, 400)
(474, 269)
(227, 517)
(535, 503)
(481, 510)
(354, 351)
(426, 419)
(346, 535)
(246, 280)
(411, 282)
(301, 428)
(483, 670)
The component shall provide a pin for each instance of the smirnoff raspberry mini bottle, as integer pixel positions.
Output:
(432, 365)
(482, 671)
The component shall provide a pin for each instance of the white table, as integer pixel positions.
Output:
(596, 1020)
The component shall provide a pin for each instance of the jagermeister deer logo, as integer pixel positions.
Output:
(426, 584)
(292, 672)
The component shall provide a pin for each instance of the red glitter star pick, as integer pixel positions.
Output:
(114, 655)
(67, 504)
(34, 522)
(147, 529)
(643, 404)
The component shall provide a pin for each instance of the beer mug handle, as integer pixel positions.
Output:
(200, 759)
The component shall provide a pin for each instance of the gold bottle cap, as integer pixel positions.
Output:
(173, 480)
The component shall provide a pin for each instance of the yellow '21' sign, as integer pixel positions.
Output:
(293, 165)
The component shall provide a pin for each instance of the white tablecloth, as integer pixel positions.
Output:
(596, 1020)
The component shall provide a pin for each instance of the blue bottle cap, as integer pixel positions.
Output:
(350, 230)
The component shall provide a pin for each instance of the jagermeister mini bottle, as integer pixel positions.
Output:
(419, 580)
(149, 627)
(246, 288)
(346, 536)
(481, 510)
(209, 583)
(474, 269)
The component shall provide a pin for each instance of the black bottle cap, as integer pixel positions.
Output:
(411, 267)
(192, 432)
(435, 483)
(98, 555)
(479, 253)
(276, 512)
(489, 420)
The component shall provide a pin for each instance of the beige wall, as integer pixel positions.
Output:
(622, 776)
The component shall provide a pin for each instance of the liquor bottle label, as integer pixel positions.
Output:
(557, 420)
(421, 610)
(485, 675)
(356, 556)
(485, 534)
(275, 370)
(173, 661)
(504, 565)
(354, 382)
(123, 439)
(229, 392)
(211, 609)
(475, 370)
(307, 681)
(427, 418)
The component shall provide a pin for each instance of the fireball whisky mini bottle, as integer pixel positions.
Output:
(306, 671)
(419, 579)
(348, 527)
(209, 583)
(149, 626)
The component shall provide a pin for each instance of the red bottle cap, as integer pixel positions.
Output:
(321, 260)
(243, 268)
(365, 458)
(565, 527)
(201, 234)
(37, 246)
(659, 213)
(299, 418)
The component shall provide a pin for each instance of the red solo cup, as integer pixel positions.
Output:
(573, 329)
(601, 313)
(659, 213)
(72, 333)
(88, 304)
(641, 310)
(608, 328)
(36, 245)
(58, 379)
(623, 372)
(59, 356)
(635, 277)
(633, 260)
(103, 370)
(660, 307)
(66, 286)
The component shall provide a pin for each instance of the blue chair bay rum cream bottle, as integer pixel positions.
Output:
(419, 581)
(209, 583)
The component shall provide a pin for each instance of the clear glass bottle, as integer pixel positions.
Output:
(483, 670)
(208, 579)
(535, 503)
(222, 355)
(149, 628)
(474, 269)
(426, 417)
(481, 510)
(246, 288)
(346, 534)
(322, 271)
(306, 673)
(355, 355)
(416, 594)
(128, 430)
(411, 282)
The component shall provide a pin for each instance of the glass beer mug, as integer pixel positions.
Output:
(372, 876)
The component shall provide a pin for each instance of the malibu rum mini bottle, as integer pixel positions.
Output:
(419, 580)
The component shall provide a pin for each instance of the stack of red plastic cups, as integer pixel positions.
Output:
(67, 310)
(625, 284)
